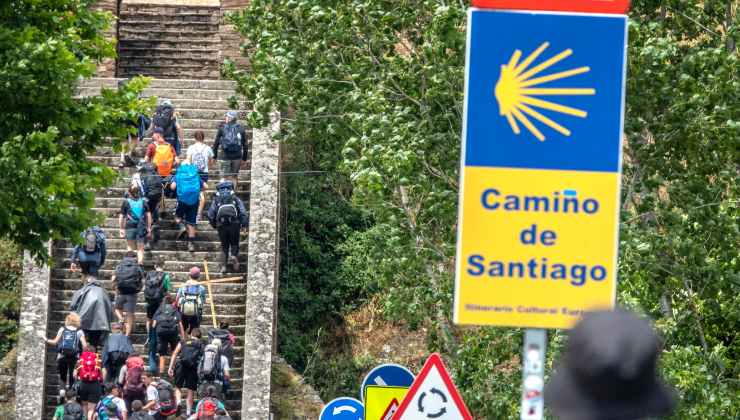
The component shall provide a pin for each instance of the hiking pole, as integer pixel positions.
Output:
(533, 374)
(210, 294)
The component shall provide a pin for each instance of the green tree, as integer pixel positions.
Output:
(45, 131)
(382, 81)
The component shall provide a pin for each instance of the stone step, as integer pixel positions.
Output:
(73, 283)
(167, 15)
(60, 252)
(157, 54)
(210, 63)
(214, 265)
(164, 9)
(165, 25)
(223, 310)
(221, 298)
(202, 246)
(171, 71)
(60, 312)
(208, 114)
(170, 33)
(213, 44)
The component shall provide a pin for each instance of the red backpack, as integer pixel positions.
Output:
(134, 387)
(89, 368)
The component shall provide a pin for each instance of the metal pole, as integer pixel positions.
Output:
(533, 374)
(210, 294)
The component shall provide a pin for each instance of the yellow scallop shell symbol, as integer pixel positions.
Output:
(516, 91)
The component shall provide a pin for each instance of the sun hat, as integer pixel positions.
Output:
(608, 371)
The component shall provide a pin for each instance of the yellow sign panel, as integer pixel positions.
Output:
(533, 253)
(379, 399)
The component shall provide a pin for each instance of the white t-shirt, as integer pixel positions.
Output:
(225, 365)
(199, 154)
(152, 395)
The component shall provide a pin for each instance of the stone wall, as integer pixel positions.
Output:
(262, 275)
(107, 68)
(29, 382)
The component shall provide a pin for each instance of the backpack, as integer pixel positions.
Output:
(202, 405)
(210, 364)
(133, 386)
(140, 415)
(191, 303)
(227, 346)
(231, 141)
(107, 408)
(163, 118)
(136, 209)
(94, 239)
(89, 369)
(188, 184)
(128, 276)
(166, 182)
(69, 344)
(167, 322)
(166, 397)
(117, 359)
(151, 182)
(200, 157)
(164, 158)
(72, 411)
(154, 286)
(190, 355)
(227, 212)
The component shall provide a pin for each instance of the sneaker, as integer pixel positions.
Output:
(235, 262)
(191, 246)
(182, 232)
(224, 269)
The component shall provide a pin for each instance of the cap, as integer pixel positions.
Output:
(233, 115)
(194, 272)
(158, 130)
(166, 102)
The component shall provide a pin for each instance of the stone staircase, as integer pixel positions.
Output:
(200, 105)
(169, 41)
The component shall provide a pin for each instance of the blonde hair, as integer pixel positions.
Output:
(72, 320)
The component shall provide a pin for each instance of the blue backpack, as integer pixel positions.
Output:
(188, 184)
(136, 208)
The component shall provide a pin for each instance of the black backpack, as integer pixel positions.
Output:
(72, 411)
(167, 321)
(117, 359)
(154, 286)
(227, 212)
(166, 398)
(231, 140)
(191, 353)
(163, 118)
(68, 346)
(151, 181)
(128, 276)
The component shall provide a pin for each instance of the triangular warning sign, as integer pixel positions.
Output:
(391, 410)
(433, 396)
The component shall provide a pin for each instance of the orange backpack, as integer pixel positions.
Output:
(164, 159)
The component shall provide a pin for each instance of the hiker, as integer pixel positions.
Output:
(89, 373)
(161, 154)
(214, 368)
(135, 222)
(68, 341)
(138, 412)
(90, 256)
(128, 280)
(608, 371)
(209, 403)
(160, 397)
(168, 324)
(142, 125)
(201, 155)
(185, 370)
(157, 284)
(231, 142)
(93, 305)
(149, 183)
(130, 379)
(115, 352)
(112, 406)
(228, 340)
(190, 299)
(69, 409)
(189, 188)
(164, 118)
(228, 215)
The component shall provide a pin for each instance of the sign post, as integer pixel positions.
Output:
(540, 169)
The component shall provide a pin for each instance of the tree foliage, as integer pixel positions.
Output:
(372, 90)
(46, 47)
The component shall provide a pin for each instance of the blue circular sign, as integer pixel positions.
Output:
(388, 374)
(343, 408)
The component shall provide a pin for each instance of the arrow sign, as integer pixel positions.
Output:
(387, 374)
(343, 408)
(433, 396)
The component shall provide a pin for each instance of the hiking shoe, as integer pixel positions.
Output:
(224, 270)
(235, 262)
(191, 246)
(182, 231)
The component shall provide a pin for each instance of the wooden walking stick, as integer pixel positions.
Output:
(210, 294)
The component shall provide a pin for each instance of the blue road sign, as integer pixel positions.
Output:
(388, 374)
(343, 408)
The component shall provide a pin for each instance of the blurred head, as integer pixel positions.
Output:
(216, 342)
(211, 391)
(199, 136)
(72, 320)
(168, 299)
(166, 102)
(134, 192)
(230, 116)
(70, 395)
(111, 389)
(137, 405)
(194, 273)
(195, 333)
(158, 134)
(147, 377)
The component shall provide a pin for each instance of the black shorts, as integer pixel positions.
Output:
(190, 322)
(96, 338)
(151, 307)
(90, 391)
(166, 343)
(186, 378)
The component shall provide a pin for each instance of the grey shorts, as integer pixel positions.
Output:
(126, 303)
(230, 167)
